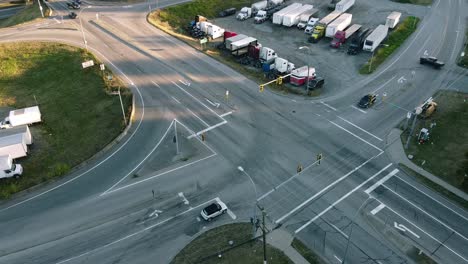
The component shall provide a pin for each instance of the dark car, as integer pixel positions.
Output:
(367, 101)
(72, 15)
(73, 5)
(433, 61)
(227, 12)
(316, 83)
(77, 1)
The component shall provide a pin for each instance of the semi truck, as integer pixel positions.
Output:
(310, 25)
(278, 16)
(22, 130)
(9, 169)
(393, 19)
(13, 145)
(305, 17)
(292, 18)
(341, 36)
(344, 5)
(342, 22)
(375, 38)
(264, 5)
(240, 47)
(357, 41)
(244, 13)
(20, 117)
(319, 29)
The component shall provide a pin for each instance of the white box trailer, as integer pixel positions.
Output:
(23, 130)
(13, 145)
(330, 17)
(340, 23)
(258, 6)
(8, 168)
(278, 16)
(20, 117)
(375, 38)
(393, 19)
(293, 17)
(344, 5)
(215, 32)
(304, 18)
(242, 43)
(235, 38)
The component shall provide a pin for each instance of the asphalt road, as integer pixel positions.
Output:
(356, 206)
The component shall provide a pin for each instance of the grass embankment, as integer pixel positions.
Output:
(415, 2)
(463, 61)
(213, 247)
(302, 249)
(29, 13)
(175, 19)
(394, 40)
(79, 115)
(446, 153)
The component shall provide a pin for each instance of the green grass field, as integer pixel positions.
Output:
(29, 13)
(207, 247)
(394, 40)
(446, 153)
(79, 116)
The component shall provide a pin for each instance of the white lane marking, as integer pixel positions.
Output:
(359, 109)
(136, 233)
(337, 258)
(175, 99)
(203, 121)
(363, 130)
(329, 106)
(424, 44)
(377, 209)
(207, 129)
(184, 82)
(341, 199)
(231, 214)
(339, 230)
(403, 228)
(384, 84)
(155, 213)
(213, 104)
(141, 162)
(363, 140)
(453, 211)
(325, 189)
(112, 154)
(402, 79)
(196, 99)
(428, 214)
(181, 195)
(456, 39)
(381, 181)
(155, 84)
(426, 233)
(226, 114)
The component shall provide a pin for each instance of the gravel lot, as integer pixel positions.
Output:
(338, 68)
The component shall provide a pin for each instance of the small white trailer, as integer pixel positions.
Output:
(23, 130)
(375, 38)
(13, 145)
(235, 38)
(278, 16)
(393, 19)
(242, 43)
(344, 5)
(340, 23)
(20, 117)
(292, 18)
(9, 169)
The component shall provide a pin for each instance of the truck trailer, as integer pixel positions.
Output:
(278, 16)
(319, 30)
(393, 19)
(299, 75)
(22, 130)
(344, 5)
(340, 23)
(240, 47)
(20, 117)
(292, 18)
(305, 17)
(341, 36)
(244, 13)
(9, 169)
(375, 38)
(232, 39)
(13, 145)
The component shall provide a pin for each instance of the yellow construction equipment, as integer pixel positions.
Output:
(427, 108)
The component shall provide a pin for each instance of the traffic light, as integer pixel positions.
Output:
(261, 88)
(279, 81)
(319, 157)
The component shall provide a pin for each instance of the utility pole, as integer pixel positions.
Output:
(264, 237)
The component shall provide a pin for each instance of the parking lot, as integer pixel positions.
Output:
(338, 68)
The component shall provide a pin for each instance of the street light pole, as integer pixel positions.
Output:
(254, 219)
(40, 8)
(308, 67)
(81, 24)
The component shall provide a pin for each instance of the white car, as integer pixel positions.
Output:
(311, 25)
(213, 210)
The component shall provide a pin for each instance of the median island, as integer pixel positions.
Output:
(81, 112)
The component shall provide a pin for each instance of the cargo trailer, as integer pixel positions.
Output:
(344, 5)
(20, 117)
(232, 39)
(23, 130)
(13, 145)
(305, 17)
(375, 38)
(278, 16)
(292, 18)
(340, 23)
(393, 19)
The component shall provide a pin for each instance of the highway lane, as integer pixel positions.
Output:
(265, 154)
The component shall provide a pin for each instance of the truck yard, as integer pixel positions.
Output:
(285, 40)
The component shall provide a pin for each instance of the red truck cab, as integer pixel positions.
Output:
(340, 38)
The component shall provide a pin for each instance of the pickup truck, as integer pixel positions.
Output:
(433, 61)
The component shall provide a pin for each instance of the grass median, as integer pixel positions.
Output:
(394, 40)
(446, 153)
(214, 247)
(80, 115)
(29, 13)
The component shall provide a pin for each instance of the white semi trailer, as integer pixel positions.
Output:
(375, 38)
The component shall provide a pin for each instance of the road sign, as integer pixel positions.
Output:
(102, 66)
(203, 40)
(87, 64)
(408, 115)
